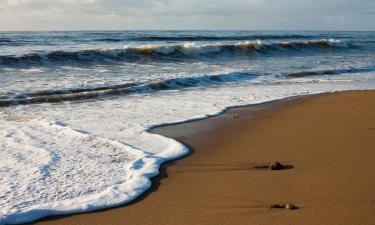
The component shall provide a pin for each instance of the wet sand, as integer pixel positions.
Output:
(328, 140)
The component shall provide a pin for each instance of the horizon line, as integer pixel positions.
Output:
(290, 30)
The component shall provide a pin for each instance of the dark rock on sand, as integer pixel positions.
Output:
(276, 166)
(288, 206)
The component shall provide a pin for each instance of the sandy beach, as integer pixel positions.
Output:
(327, 140)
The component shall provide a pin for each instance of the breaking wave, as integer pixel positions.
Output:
(53, 96)
(81, 94)
(167, 52)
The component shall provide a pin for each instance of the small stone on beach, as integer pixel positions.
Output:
(276, 166)
(288, 206)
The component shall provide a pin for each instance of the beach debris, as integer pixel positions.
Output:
(235, 117)
(288, 206)
(276, 166)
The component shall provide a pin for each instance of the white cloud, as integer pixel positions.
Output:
(188, 14)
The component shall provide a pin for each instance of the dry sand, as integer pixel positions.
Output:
(328, 139)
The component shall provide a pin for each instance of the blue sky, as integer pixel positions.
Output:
(185, 14)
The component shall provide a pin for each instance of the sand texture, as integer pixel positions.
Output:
(326, 141)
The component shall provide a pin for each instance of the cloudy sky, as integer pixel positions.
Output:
(187, 14)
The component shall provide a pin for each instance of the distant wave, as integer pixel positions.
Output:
(114, 39)
(329, 72)
(216, 38)
(167, 52)
(5, 42)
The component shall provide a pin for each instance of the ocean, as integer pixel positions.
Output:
(76, 107)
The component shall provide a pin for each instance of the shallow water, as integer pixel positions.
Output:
(75, 107)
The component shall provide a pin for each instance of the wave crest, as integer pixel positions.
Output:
(167, 52)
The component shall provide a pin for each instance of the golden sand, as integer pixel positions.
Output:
(328, 142)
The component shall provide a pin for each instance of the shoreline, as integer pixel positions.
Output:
(190, 133)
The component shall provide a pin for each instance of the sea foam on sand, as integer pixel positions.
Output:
(78, 157)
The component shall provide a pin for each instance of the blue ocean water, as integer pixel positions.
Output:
(76, 107)
(33, 64)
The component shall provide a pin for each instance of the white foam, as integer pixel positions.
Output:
(78, 157)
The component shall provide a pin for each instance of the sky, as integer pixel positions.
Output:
(187, 14)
